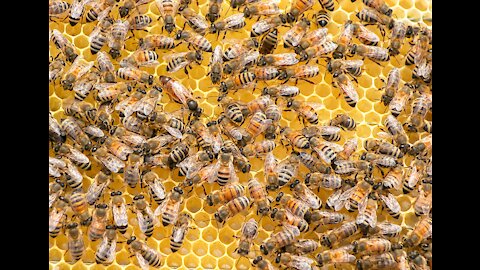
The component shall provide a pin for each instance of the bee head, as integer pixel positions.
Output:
(192, 105)
(274, 212)
(279, 197)
(257, 259)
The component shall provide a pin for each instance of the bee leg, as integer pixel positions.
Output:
(204, 191)
(308, 81)
(186, 70)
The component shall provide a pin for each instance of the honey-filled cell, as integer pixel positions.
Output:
(209, 244)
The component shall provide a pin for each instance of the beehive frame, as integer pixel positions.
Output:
(208, 246)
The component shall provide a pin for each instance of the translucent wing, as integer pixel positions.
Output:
(217, 143)
(343, 198)
(94, 34)
(293, 36)
(146, 105)
(362, 205)
(111, 251)
(384, 135)
(315, 105)
(141, 261)
(391, 202)
(181, 92)
(73, 172)
(179, 233)
(51, 198)
(233, 174)
(261, 26)
(95, 190)
(77, 156)
(200, 23)
(168, 57)
(309, 198)
(300, 262)
(112, 163)
(142, 221)
(348, 89)
(387, 228)
(160, 208)
(293, 229)
(306, 71)
(348, 64)
(234, 20)
(270, 163)
(287, 90)
(366, 34)
(173, 131)
(337, 148)
(82, 65)
(217, 56)
(158, 189)
(55, 217)
(120, 215)
(317, 35)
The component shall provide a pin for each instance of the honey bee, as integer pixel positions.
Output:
(311, 162)
(239, 160)
(365, 36)
(274, 113)
(322, 18)
(96, 189)
(399, 101)
(258, 193)
(423, 203)
(420, 107)
(199, 42)
(155, 186)
(422, 147)
(134, 124)
(391, 87)
(55, 69)
(105, 253)
(98, 8)
(348, 167)
(306, 110)
(297, 8)
(99, 222)
(379, 5)
(195, 20)
(204, 138)
(140, 58)
(367, 213)
(357, 195)
(393, 179)
(293, 36)
(301, 72)
(305, 194)
(57, 8)
(249, 233)
(116, 37)
(194, 163)
(257, 125)
(335, 256)
(240, 63)
(106, 67)
(259, 148)
(344, 121)
(147, 104)
(151, 42)
(338, 234)
(231, 208)
(132, 170)
(180, 151)
(77, 9)
(382, 147)
(170, 122)
(179, 231)
(214, 10)
(108, 160)
(76, 246)
(388, 229)
(181, 60)
(371, 52)
(73, 176)
(261, 9)
(328, 133)
(278, 175)
(372, 16)
(129, 5)
(349, 147)
(395, 132)
(312, 38)
(74, 131)
(55, 190)
(233, 22)
(216, 62)
(295, 138)
(281, 91)
(79, 205)
(386, 260)
(57, 216)
(419, 51)
(344, 39)
(392, 205)
(286, 236)
(224, 171)
(118, 148)
(169, 208)
(81, 110)
(263, 26)
(77, 157)
(348, 89)
(145, 255)
(168, 9)
(294, 261)
(296, 206)
(418, 261)
(284, 216)
(78, 68)
(324, 218)
(328, 181)
(416, 173)
(179, 93)
(269, 42)
(95, 133)
(302, 247)
(380, 160)
(226, 194)
(145, 217)
(119, 211)
(134, 74)
(139, 22)
(399, 30)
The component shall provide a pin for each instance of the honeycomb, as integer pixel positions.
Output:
(209, 245)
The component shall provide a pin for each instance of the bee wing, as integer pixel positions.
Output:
(55, 218)
(286, 90)
(391, 202)
(54, 171)
(286, 59)
(94, 191)
(146, 105)
(348, 89)
(270, 163)
(217, 143)
(388, 228)
(293, 229)
(352, 63)
(340, 203)
(159, 190)
(73, 172)
(329, 130)
(141, 261)
(77, 155)
(300, 262)
(233, 174)
(142, 222)
(384, 135)
(317, 34)
(362, 205)
(261, 26)
(216, 56)
(309, 198)
(178, 233)
(337, 148)
(181, 92)
(173, 131)
(199, 22)
(93, 34)
(151, 214)
(51, 198)
(168, 57)
(120, 215)
(113, 164)
(234, 20)
(161, 208)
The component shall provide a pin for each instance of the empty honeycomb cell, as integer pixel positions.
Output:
(373, 94)
(236, 222)
(217, 249)
(185, 249)
(208, 262)
(81, 42)
(365, 82)
(364, 105)
(191, 261)
(79, 266)
(122, 257)
(55, 255)
(322, 90)
(174, 260)
(421, 5)
(200, 248)
(225, 263)
(209, 234)
(201, 219)
(374, 70)
(226, 238)
(363, 131)
(133, 266)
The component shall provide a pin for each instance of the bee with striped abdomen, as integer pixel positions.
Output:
(98, 8)
(284, 216)
(155, 187)
(293, 36)
(111, 91)
(57, 7)
(387, 229)
(119, 211)
(177, 61)
(145, 217)
(395, 132)
(336, 256)
(98, 186)
(306, 110)
(262, 264)
(76, 246)
(348, 167)
(131, 174)
(295, 138)
(297, 8)
(151, 42)
(328, 133)
(145, 255)
(380, 160)
(344, 40)
(79, 205)
(421, 231)
(78, 68)
(139, 22)
(169, 208)
(339, 66)
(55, 69)
(105, 253)
(348, 89)
(196, 21)
(76, 156)
(296, 206)
(105, 66)
(269, 42)
(423, 203)
(214, 10)
(99, 222)
(299, 72)
(334, 236)
(371, 52)
(179, 231)
(379, 5)
(305, 194)
(258, 149)
(116, 37)
(168, 9)
(57, 216)
(365, 36)
(226, 194)
(248, 233)
(391, 87)
(327, 181)
(302, 247)
(77, 9)
(100, 34)
(386, 260)
(56, 134)
(313, 38)
(259, 195)
(399, 30)
(55, 190)
(140, 58)
(233, 23)
(263, 26)
(422, 148)
(134, 74)
(216, 62)
(199, 42)
(108, 160)
(392, 205)
(294, 261)
(180, 94)
(285, 237)
(261, 9)
(231, 208)
(393, 179)
(322, 18)
(420, 106)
